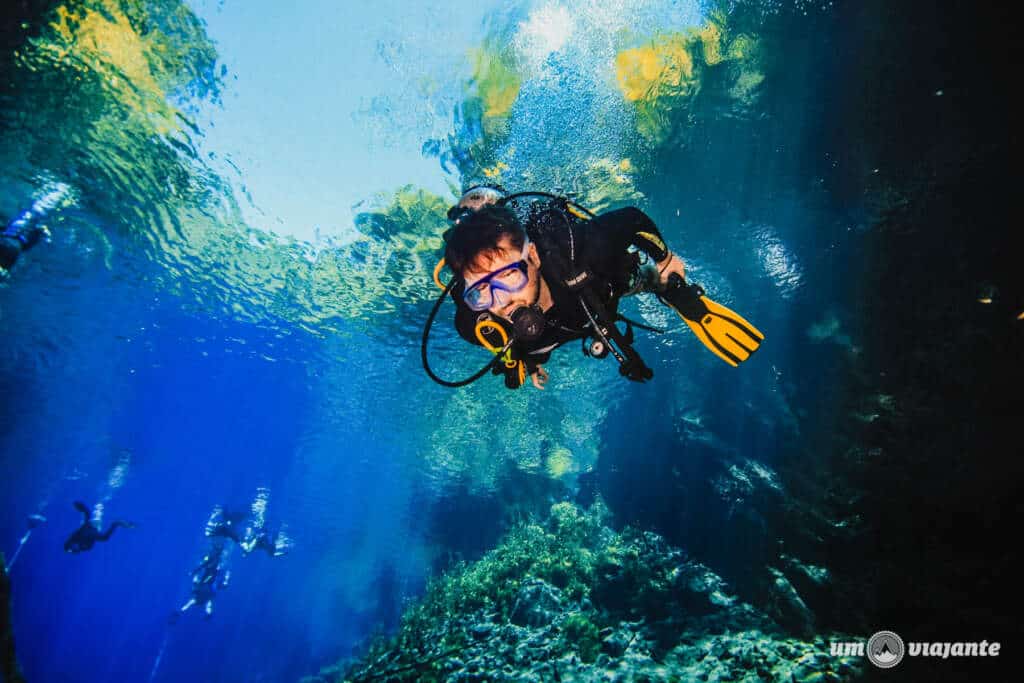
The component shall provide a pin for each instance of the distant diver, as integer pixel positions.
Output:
(248, 533)
(15, 239)
(261, 540)
(226, 524)
(26, 230)
(210, 576)
(534, 270)
(88, 534)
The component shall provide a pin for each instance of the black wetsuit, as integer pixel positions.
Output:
(16, 238)
(85, 536)
(205, 575)
(10, 250)
(226, 528)
(208, 577)
(602, 246)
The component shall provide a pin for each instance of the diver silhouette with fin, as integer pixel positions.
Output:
(88, 534)
(209, 577)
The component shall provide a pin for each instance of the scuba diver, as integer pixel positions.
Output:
(225, 524)
(17, 236)
(254, 536)
(534, 270)
(259, 539)
(26, 230)
(209, 577)
(88, 534)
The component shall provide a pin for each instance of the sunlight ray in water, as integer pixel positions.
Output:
(221, 226)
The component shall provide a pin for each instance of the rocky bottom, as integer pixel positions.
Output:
(573, 600)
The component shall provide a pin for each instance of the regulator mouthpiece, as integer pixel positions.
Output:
(528, 323)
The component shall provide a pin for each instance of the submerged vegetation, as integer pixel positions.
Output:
(653, 88)
(571, 598)
(663, 77)
(101, 90)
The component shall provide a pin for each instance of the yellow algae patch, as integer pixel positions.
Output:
(496, 170)
(106, 43)
(643, 72)
(668, 72)
(742, 47)
(497, 85)
(560, 462)
(608, 183)
(711, 40)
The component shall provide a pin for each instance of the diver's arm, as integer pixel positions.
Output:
(539, 377)
(630, 226)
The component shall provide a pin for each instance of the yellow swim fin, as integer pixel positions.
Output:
(726, 333)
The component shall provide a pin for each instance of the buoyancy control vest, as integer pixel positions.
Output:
(553, 223)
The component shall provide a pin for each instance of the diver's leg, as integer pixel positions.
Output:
(84, 509)
(188, 605)
(209, 608)
(118, 523)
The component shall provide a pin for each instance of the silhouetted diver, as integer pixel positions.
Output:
(225, 524)
(86, 535)
(210, 576)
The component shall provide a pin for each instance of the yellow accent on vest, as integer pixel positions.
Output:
(653, 239)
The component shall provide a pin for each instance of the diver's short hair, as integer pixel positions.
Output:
(479, 234)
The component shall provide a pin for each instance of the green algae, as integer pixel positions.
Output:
(571, 599)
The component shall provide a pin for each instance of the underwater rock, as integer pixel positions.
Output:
(812, 583)
(788, 607)
(536, 604)
(8, 659)
(652, 615)
(615, 645)
(481, 631)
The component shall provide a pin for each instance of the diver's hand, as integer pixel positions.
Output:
(539, 377)
(672, 264)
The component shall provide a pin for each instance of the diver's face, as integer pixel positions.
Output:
(504, 303)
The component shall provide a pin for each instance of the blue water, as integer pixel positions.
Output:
(167, 352)
(188, 454)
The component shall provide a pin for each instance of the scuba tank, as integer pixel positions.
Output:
(550, 226)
